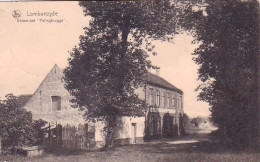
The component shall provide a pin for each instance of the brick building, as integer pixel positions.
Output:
(166, 107)
(51, 102)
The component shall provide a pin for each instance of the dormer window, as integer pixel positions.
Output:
(56, 103)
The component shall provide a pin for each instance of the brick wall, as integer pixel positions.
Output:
(40, 104)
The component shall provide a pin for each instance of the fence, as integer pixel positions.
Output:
(52, 137)
(0, 145)
(69, 137)
(75, 137)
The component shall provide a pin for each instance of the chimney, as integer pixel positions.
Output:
(158, 71)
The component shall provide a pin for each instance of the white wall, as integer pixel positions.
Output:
(125, 131)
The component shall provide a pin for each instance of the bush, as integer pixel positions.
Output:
(16, 125)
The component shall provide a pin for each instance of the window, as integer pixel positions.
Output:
(181, 102)
(157, 98)
(56, 102)
(151, 96)
(173, 100)
(170, 101)
(178, 102)
(163, 99)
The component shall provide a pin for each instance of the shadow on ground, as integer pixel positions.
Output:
(195, 143)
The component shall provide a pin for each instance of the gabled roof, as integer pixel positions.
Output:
(23, 99)
(58, 73)
(151, 79)
(159, 81)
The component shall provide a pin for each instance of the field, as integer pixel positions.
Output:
(192, 148)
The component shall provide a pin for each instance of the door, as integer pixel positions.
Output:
(133, 132)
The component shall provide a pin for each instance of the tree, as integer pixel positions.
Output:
(228, 59)
(111, 61)
(16, 124)
(184, 120)
(197, 121)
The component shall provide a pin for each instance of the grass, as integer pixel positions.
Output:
(162, 150)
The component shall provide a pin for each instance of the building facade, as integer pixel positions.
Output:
(51, 102)
(165, 108)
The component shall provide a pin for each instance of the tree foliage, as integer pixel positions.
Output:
(16, 124)
(228, 59)
(111, 60)
(197, 121)
(183, 122)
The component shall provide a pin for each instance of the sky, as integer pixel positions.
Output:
(28, 50)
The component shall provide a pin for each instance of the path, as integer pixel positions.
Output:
(195, 148)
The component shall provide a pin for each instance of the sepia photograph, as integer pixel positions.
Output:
(157, 80)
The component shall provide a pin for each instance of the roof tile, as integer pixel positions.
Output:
(159, 81)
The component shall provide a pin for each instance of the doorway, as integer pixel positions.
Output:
(133, 132)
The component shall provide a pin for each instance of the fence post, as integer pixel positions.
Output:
(50, 136)
(57, 136)
(86, 136)
(0, 145)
